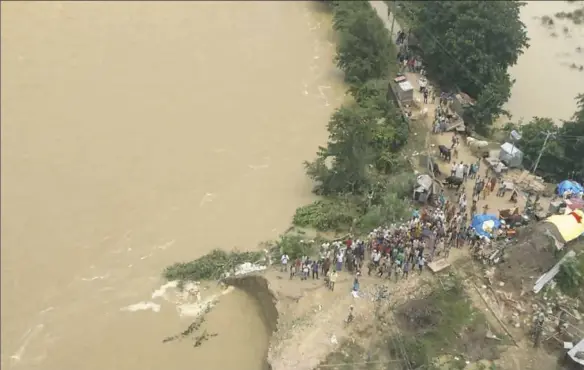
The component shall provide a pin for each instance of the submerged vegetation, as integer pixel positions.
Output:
(211, 266)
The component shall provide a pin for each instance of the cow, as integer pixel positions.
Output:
(470, 140)
(453, 181)
(479, 144)
(445, 152)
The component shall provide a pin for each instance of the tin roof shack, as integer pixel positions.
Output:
(576, 355)
(405, 92)
(424, 188)
(511, 155)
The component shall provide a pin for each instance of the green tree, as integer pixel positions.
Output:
(562, 157)
(344, 11)
(532, 139)
(391, 131)
(489, 104)
(344, 165)
(573, 142)
(469, 45)
(363, 49)
(468, 42)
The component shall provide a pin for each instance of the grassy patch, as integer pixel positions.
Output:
(351, 355)
(442, 327)
(211, 266)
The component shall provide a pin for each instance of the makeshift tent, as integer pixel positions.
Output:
(511, 155)
(569, 185)
(405, 92)
(570, 226)
(485, 225)
(424, 189)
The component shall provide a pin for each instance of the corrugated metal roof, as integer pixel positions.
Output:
(510, 148)
(577, 348)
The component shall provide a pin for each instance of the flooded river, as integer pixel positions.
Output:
(548, 75)
(139, 134)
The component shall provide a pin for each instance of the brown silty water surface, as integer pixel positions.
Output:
(139, 134)
(547, 75)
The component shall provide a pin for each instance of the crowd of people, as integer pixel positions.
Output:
(391, 252)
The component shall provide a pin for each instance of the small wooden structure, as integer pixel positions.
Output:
(438, 265)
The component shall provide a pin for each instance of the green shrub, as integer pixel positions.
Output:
(295, 246)
(570, 278)
(327, 214)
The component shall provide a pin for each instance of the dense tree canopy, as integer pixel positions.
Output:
(365, 135)
(468, 42)
(469, 45)
(563, 156)
(364, 45)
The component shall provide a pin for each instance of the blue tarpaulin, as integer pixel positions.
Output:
(478, 224)
(569, 185)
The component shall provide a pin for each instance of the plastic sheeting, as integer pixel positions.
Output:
(570, 226)
(484, 225)
(569, 185)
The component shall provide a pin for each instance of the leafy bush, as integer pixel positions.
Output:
(210, 266)
(391, 210)
(327, 215)
(295, 246)
(570, 278)
(401, 184)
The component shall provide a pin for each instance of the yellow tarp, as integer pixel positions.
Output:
(570, 226)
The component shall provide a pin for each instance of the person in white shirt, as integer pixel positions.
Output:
(284, 261)
(460, 170)
(340, 257)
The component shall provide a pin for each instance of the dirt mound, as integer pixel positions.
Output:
(445, 323)
(532, 255)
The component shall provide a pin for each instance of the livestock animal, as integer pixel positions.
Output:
(453, 181)
(479, 144)
(445, 152)
(470, 140)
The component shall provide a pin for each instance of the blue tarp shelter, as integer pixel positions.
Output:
(569, 185)
(478, 224)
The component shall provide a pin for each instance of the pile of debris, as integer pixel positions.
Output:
(532, 255)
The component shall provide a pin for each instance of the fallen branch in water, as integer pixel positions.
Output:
(191, 331)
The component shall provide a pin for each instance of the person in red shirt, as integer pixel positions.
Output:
(349, 243)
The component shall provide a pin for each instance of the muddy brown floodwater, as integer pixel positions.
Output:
(137, 134)
(547, 75)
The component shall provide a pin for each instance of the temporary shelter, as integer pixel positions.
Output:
(570, 226)
(405, 92)
(569, 185)
(574, 352)
(485, 225)
(424, 188)
(511, 155)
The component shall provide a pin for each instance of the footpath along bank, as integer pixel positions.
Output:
(400, 312)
